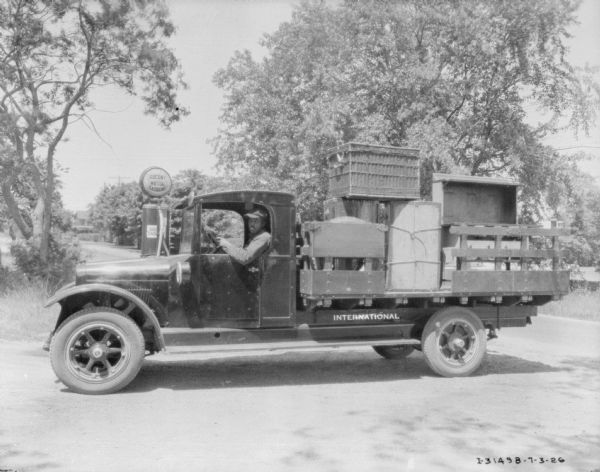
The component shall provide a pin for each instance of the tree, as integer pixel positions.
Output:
(453, 78)
(579, 209)
(53, 53)
(117, 210)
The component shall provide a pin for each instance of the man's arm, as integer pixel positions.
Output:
(257, 247)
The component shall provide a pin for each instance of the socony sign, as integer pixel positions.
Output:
(155, 182)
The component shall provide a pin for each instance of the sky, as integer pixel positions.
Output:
(123, 141)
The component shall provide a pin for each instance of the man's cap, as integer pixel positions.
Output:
(258, 213)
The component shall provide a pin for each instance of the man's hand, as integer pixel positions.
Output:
(222, 242)
(212, 235)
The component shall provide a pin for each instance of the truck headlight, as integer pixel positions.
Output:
(183, 273)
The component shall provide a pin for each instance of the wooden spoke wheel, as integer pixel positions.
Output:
(97, 350)
(454, 342)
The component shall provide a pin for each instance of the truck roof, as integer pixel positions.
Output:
(262, 197)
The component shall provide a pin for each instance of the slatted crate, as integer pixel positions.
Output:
(523, 260)
(342, 259)
(369, 171)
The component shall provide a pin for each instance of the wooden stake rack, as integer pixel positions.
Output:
(535, 244)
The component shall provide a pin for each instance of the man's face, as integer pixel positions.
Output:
(255, 225)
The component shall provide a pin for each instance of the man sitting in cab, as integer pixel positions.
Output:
(258, 244)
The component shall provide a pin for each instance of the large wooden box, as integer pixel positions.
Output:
(346, 237)
(332, 247)
(475, 200)
(414, 246)
(369, 171)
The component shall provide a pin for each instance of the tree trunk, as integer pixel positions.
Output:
(13, 209)
(47, 218)
(38, 223)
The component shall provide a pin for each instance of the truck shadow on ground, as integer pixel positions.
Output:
(304, 369)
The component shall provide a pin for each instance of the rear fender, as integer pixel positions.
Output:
(76, 290)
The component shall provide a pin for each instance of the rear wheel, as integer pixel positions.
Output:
(97, 350)
(454, 342)
(399, 351)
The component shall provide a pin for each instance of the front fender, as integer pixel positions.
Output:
(71, 290)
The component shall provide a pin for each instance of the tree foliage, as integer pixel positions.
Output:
(117, 211)
(579, 209)
(453, 78)
(63, 256)
(53, 53)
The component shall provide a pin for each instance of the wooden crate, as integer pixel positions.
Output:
(414, 247)
(331, 248)
(475, 200)
(354, 238)
(369, 171)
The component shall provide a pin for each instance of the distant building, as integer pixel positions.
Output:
(82, 225)
(82, 218)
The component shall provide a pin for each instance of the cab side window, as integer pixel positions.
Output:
(225, 223)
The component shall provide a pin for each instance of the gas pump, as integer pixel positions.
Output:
(156, 183)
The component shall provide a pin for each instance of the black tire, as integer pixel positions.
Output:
(454, 342)
(399, 351)
(97, 350)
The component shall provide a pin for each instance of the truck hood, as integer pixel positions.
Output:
(147, 269)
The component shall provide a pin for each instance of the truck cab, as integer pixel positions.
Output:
(217, 291)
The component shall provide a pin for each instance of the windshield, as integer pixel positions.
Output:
(187, 232)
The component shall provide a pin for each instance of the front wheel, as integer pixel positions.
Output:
(97, 350)
(454, 342)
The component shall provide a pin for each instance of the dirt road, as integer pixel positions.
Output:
(538, 397)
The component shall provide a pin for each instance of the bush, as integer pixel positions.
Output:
(11, 280)
(62, 258)
(579, 304)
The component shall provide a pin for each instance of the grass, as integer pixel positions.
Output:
(22, 312)
(580, 304)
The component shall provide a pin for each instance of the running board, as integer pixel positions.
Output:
(288, 345)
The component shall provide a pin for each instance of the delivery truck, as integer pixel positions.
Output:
(383, 269)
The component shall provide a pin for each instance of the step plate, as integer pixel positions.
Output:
(287, 345)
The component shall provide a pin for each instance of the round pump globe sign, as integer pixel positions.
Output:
(155, 182)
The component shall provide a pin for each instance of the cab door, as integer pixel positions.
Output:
(224, 294)
(228, 294)
(278, 287)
